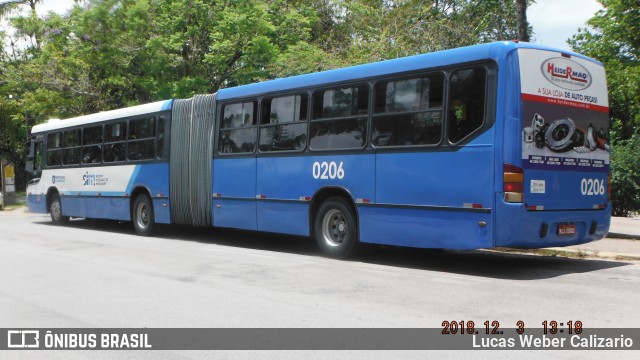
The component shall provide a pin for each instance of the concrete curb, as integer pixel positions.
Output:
(598, 254)
(622, 236)
(569, 253)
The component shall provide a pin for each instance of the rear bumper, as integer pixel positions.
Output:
(537, 229)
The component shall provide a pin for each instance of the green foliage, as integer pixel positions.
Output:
(625, 177)
(390, 29)
(615, 40)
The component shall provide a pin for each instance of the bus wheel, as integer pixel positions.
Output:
(55, 210)
(143, 215)
(335, 228)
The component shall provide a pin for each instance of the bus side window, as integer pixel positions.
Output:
(114, 142)
(339, 118)
(54, 149)
(408, 112)
(466, 102)
(284, 123)
(71, 143)
(142, 139)
(92, 145)
(238, 128)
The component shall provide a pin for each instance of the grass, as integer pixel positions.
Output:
(20, 202)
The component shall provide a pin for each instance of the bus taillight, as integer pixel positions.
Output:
(513, 183)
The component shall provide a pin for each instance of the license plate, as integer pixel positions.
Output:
(566, 229)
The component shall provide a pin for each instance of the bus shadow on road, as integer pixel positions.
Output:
(498, 265)
(490, 264)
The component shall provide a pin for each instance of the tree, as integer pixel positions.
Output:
(382, 29)
(614, 39)
(523, 25)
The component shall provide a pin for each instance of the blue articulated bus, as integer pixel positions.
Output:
(501, 144)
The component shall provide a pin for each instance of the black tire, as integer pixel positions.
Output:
(336, 231)
(142, 215)
(55, 210)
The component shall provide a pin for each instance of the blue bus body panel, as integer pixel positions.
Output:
(521, 228)
(74, 205)
(114, 208)
(287, 183)
(437, 178)
(283, 217)
(234, 179)
(425, 228)
(37, 203)
(563, 189)
(426, 199)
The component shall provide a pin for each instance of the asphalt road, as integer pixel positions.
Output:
(98, 274)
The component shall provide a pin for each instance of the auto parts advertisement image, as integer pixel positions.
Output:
(565, 113)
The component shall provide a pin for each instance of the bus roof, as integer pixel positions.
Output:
(55, 124)
(494, 50)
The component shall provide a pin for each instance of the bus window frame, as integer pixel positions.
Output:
(443, 109)
(490, 88)
(351, 84)
(101, 144)
(295, 92)
(218, 126)
(47, 149)
(64, 147)
(154, 117)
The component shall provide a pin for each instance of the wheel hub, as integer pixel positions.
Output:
(143, 216)
(334, 228)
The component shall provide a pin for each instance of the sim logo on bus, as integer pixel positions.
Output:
(89, 179)
(566, 74)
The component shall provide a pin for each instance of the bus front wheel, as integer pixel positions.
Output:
(55, 210)
(143, 219)
(336, 231)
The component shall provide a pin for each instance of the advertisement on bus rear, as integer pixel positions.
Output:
(565, 112)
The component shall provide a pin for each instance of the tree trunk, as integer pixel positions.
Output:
(523, 25)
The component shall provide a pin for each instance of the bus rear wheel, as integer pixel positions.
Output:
(142, 215)
(336, 231)
(55, 210)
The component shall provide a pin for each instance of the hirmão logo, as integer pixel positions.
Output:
(566, 74)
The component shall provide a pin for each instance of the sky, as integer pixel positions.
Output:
(553, 21)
